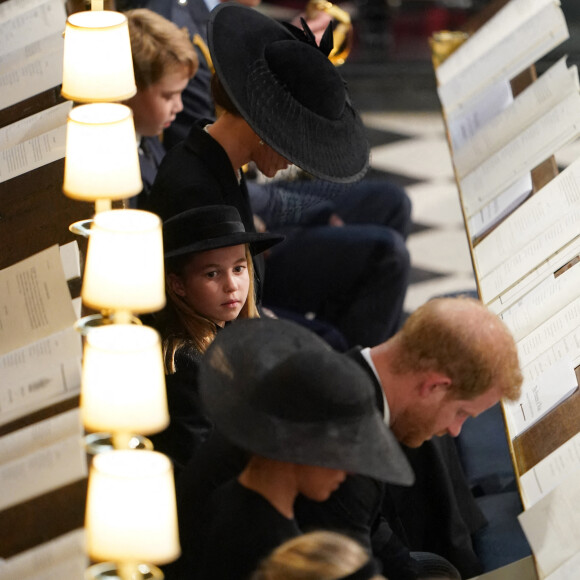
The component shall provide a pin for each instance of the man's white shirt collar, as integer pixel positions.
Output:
(366, 354)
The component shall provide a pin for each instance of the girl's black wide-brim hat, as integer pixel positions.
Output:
(277, 390)
(288, 92)
(211, 227)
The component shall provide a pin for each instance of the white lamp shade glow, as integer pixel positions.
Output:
(124, 267)
(101, 159)
(123, 380)
(97, 62)
(131, 513)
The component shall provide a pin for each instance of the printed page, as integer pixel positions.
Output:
(564, 257)
(23, 22)
(542, 302)
(552, 526)
(471, 116)
(64, 558)
(536, 100)
(544, 249)
(35, 301)
(508, 57)
(31, 70)
(38, 435)
(40, 374)
(550, 332)
(499, 207)
(44, 469)
(533, 146)
(540, 394)
(32, 154)
(549, 473)
(34, 126)
(498, 27)
(546, 208)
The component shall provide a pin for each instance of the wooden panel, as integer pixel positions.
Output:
(34, 213)
(42, 519)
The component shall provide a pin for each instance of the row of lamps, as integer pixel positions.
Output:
(131, 519)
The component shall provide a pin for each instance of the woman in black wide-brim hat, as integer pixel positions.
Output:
(209, 283)
(280, 101)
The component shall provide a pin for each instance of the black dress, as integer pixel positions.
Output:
(242, 528)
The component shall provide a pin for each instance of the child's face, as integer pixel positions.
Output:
(318, 483)
(155, 107)
(215, 283)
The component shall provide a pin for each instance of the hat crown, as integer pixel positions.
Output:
(307, 74)
(201, 224)
(314, 386)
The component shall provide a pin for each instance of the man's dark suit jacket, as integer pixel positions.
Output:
(375, 514)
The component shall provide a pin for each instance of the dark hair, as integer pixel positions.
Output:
(221, 98)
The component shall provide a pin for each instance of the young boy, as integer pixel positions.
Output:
(164, 61)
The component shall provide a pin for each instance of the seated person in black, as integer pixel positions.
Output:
(307, 417)
(209, 283)
(281, 101)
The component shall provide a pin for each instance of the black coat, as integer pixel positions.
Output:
(196, 173)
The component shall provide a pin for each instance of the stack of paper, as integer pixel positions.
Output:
(31, 49)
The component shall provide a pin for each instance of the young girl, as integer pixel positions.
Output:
(209, 282)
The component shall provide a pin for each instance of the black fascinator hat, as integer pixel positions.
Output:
(288, 91)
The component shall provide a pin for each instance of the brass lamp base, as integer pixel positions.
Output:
(81, 228)
(113, 571)
(96, 443)
(84, 325)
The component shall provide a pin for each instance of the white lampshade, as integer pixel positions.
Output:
(131, 513)
(101, 159)
(97, 63)
(124, 267)
(123, 380)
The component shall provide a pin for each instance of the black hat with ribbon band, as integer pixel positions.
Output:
(211, 227)
(277, 390)
(289, 93)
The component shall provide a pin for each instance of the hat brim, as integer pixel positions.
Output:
(259, 242)
(366, 447)
(335, 150)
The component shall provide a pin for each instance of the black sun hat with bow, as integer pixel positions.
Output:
(288, 91)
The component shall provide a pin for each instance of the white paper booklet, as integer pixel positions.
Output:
(505, 56)
(557, 83)
(550, 471)
(531, 147)
(31, 51)
(541, 392)
(552, 528)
